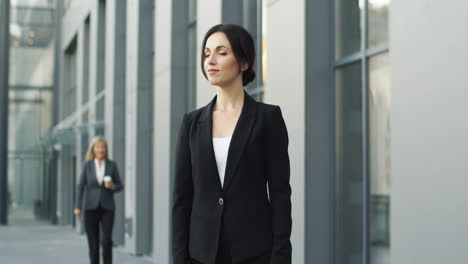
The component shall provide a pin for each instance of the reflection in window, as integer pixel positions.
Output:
(347, 27)
(378, 22)
(380, 158)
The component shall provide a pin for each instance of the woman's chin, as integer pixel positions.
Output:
(214, 82)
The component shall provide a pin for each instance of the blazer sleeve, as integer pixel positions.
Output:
(118, 186)
(278, 174)
(182, 197)
(81, 186)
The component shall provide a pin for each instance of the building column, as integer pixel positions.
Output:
(4, 84)
(115, 101)
(139, 126)
(320, 134)
(65, 185)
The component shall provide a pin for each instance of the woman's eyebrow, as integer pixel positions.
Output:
(219, 47)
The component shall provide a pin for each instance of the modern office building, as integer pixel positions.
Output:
(372, 92)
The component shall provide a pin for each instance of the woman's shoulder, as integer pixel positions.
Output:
(191, 116)
(85, 163)
(267, 107)
(111, 162)
(269, 110)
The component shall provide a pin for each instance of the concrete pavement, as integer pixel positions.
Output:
(26, 241)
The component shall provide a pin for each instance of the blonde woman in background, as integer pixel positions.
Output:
(99, 180)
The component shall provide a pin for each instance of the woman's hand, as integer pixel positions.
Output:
(77, 212)
(109, 185)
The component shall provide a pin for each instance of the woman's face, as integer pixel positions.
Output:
(220, 64)
(100, 150)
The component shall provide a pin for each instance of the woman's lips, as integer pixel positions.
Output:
(212, 71)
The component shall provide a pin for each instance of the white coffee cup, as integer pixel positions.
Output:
(107, 178)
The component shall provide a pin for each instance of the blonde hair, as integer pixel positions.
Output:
(94, 141)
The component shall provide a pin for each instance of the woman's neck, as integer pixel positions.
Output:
(229, 99)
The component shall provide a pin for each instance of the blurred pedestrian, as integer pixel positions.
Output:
(98, 182)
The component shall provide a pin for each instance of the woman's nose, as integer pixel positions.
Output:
(210, 60)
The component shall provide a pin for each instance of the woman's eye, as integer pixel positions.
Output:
(223, 53)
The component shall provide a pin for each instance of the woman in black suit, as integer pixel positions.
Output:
(99, 181)
(231, 196)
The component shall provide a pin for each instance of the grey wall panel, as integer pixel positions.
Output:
(208, 15)
(429, 80)
(162, 132)
(285, 86)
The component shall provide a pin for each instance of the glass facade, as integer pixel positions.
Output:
(31, 85)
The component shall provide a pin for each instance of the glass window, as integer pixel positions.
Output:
(70, 86)
(85, 66)
(31, 82)
(352, 209)
(252, 21)
(380, 158)
(84, 135)
(100, 106)
(101, 47)
(249, 14)
(378, 22)
(349, 159)
(347, 27)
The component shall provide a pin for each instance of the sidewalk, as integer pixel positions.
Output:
(26, 241)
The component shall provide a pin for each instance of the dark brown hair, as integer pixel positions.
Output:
(242, 45)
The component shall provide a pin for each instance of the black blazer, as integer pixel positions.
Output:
(95, 193)
(253, 219)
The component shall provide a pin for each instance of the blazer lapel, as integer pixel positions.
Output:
(106, 167)
(93, 172)
(238, 141)
(240, 138)
(205, 136)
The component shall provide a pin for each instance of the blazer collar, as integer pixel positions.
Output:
(93, 169)
(239, 138)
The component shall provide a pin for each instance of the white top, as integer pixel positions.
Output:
(100, 170)
(221, 148)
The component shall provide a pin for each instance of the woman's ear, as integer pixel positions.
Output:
(244, 67)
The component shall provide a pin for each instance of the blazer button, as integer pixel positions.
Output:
(221, 201)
